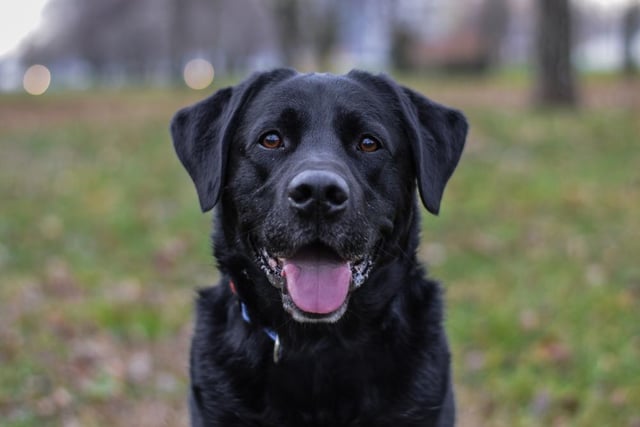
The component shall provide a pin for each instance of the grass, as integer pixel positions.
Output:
(541, 267)
(102, 244)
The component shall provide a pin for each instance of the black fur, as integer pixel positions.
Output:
(385, 360)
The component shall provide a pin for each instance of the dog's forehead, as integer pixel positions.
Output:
(318, 95)
(317, 90)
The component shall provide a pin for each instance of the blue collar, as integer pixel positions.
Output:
(271, 333)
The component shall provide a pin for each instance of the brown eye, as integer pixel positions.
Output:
(271, 141)
(368, 145)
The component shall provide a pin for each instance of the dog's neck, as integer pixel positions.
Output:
(271, 333)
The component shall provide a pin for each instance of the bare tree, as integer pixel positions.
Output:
(122, 40)
(285, 16)
(630, 26)
(113, 38)
(555, 85)
(177, 29)
(494, 21)
(325, 21)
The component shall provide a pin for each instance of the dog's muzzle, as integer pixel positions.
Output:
(315, 282)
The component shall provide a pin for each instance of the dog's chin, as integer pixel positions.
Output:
(304, 317)
(314, 281)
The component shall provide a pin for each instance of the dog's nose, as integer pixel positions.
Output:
(314, 191)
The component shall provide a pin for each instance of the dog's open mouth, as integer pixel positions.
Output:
(315, 281)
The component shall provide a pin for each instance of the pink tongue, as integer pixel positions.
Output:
(317, 286)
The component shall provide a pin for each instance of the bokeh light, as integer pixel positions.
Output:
(36, 79)
(198, 73)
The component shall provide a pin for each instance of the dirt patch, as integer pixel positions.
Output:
(138, 105)
(89, 108)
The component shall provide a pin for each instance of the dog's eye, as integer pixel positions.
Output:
(271, 141)
(368, 144)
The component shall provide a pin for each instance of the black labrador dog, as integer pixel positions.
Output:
(323, 316)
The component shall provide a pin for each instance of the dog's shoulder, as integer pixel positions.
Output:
(212, 305)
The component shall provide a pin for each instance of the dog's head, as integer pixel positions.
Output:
(316, 175)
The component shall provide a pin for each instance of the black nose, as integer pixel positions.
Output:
(322, 192)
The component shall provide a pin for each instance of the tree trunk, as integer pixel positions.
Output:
(555, 75)
(288, 29)
(630, 25)
(494, 22)
(177, 30)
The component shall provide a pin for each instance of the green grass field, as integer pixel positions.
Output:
(538, 245)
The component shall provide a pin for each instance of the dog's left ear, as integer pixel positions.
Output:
(437, 136)
(203, 132)
(198, 138)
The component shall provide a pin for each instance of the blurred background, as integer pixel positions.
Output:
(102, 243)
(155, 42)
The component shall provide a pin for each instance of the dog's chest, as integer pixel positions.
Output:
(346, 390)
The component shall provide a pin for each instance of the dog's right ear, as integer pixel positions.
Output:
(203, 132)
